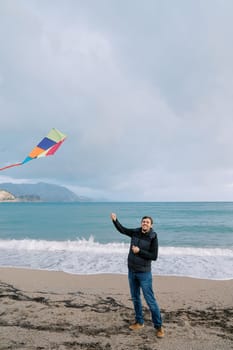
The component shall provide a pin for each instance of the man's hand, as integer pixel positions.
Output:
(113, 217)
(135, 249)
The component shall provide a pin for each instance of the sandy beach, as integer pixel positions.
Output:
(55, 310)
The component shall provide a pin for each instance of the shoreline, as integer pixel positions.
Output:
(19, 268)
(110, 273)
(56, 310)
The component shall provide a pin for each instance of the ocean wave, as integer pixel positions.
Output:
(89, 257)
(83, 245)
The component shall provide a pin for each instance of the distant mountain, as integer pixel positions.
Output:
(41, 192)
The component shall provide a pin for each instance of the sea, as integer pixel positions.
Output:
(195, 238)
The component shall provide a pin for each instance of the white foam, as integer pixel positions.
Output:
(83, 245)
(185, 251)
(89, 257)
(80, 245)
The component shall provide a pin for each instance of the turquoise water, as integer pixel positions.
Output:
(178, 224)
(199, 234)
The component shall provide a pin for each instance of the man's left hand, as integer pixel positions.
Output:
(135, 249)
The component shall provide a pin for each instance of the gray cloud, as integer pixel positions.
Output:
(143, 91)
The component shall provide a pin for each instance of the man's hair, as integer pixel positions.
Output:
(148, 217)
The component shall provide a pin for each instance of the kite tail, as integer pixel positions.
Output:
(10, 166)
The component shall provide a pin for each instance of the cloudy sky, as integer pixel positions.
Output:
(143, 89)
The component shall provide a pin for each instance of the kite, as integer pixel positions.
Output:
(46, 147)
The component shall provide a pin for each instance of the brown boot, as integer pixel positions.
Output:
(160, 332)
(136, 326)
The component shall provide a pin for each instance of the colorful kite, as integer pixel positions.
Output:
(47, 147)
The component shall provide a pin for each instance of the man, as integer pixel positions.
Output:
(143, 249)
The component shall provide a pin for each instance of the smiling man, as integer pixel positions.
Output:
(143, 249)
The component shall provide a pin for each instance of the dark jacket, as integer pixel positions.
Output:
(147, 243)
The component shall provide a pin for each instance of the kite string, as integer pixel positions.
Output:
(10, 166)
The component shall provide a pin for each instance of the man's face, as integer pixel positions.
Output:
(146, 225)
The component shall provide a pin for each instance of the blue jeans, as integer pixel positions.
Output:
(143, 280)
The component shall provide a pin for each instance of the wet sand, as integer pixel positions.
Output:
(54, 310)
